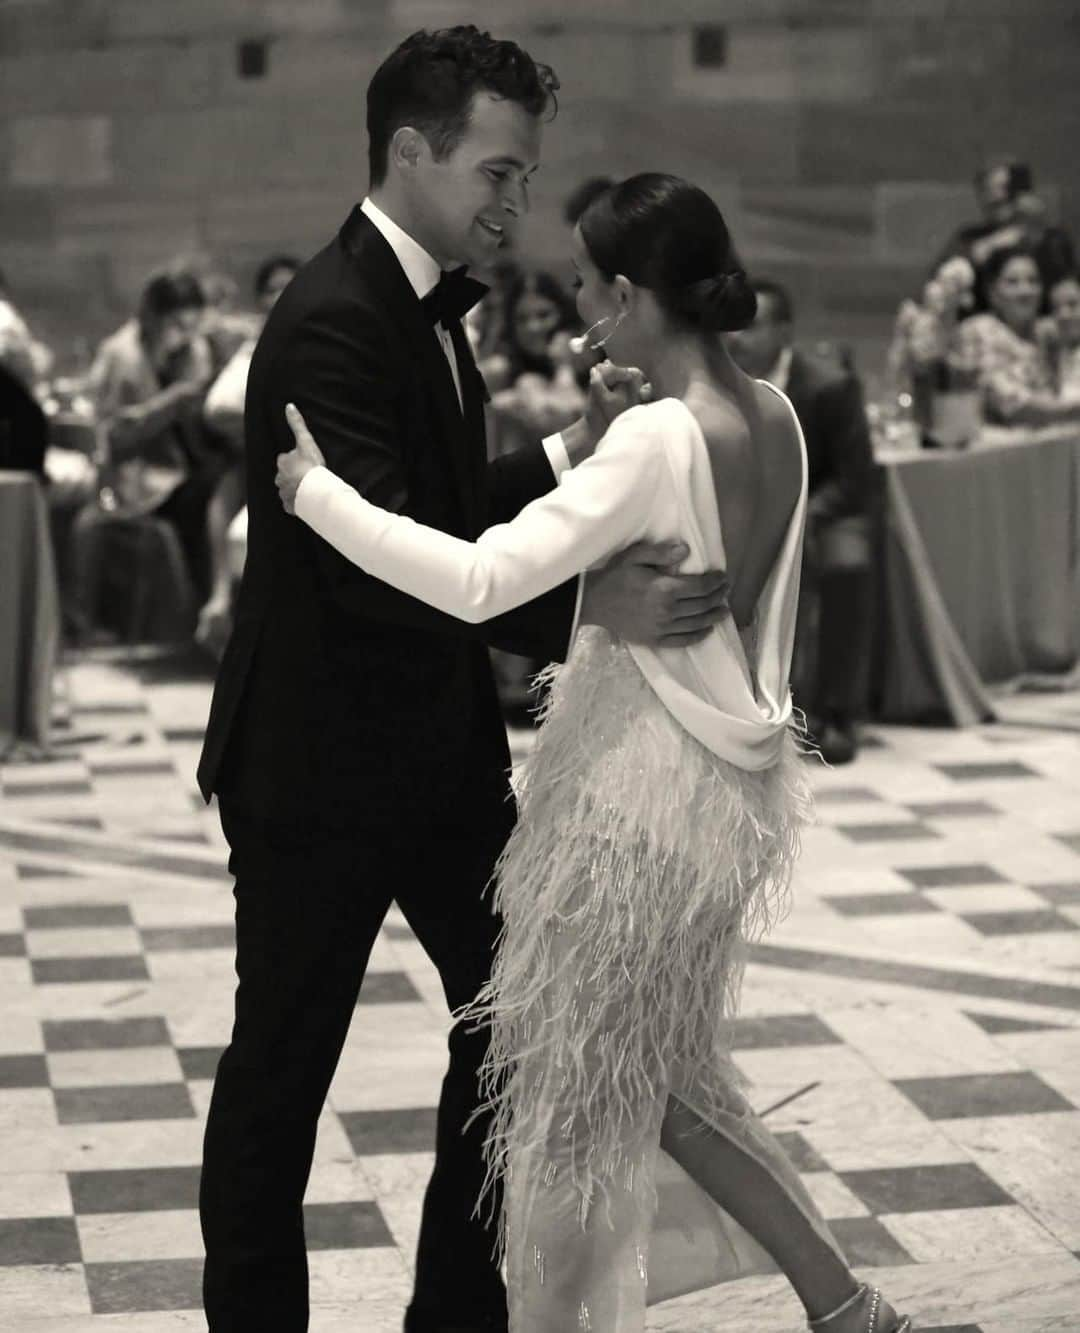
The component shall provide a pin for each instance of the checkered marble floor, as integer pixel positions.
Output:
(912, 1032)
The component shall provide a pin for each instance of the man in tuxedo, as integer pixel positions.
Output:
(833, 635)
(355, 743)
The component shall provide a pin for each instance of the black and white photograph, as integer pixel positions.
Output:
(539, 666)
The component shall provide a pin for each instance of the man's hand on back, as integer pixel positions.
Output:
(640, 598)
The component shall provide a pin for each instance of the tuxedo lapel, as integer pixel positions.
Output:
(395, 294)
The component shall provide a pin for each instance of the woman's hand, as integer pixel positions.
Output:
(294, 466)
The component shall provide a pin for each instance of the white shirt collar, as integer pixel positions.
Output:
(421, 269)
(781, 371)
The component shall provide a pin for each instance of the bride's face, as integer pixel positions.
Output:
(598, 299)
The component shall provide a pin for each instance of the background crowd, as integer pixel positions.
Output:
(141, 450)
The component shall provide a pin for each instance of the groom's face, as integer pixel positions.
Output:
(471, 202)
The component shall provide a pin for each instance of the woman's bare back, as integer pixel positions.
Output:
(753, 447)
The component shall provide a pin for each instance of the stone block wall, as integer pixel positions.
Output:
(839, 135)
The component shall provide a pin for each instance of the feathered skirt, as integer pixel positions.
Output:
(640, 866)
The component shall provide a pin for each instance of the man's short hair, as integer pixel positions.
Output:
(430, 80)
(269, 267)
(782, 311)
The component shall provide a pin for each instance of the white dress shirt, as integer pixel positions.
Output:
(649, 479)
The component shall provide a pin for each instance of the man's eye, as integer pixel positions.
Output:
(497, 175)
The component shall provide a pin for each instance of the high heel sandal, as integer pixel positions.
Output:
(902, 1325)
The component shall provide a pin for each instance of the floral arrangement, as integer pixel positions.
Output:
(925, 340)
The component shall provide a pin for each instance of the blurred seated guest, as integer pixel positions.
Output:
(837, 574)
(148, 382)
(1012, 215)
(20, 352)
(485, 326)
(224, 414)
(224, 327)
(1008, 348)
(544, 380)
(1065, 312)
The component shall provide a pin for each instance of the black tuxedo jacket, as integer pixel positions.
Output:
(828, 401)
(340, 701)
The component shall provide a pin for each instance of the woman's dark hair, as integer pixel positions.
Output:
(663, 233)
(269, 267)
(166, 293)
(999, 260)
(582, 196)
(429, 82)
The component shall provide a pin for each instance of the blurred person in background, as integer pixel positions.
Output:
(224, 414)
(148, 382)
(20, 352)
(1012, 215)
(542, 380)
(1065, 312)
(835, 611)
(1009, 348)
(536, 384)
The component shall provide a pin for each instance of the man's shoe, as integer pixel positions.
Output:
(837, 742)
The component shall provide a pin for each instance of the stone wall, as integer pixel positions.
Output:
(839, 135)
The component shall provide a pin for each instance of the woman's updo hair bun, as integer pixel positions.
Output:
(724, 303)
(665, 234)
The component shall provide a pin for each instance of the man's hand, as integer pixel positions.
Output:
(640, 598)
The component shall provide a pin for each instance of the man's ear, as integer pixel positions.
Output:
(407, 148)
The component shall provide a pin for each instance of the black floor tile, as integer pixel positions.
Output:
(23, 1071)
(374, 1132)
(158, 1284)
(145, 1190)
(773, 1030)
(60, 971)
(951, 877)
(160, 939)
(12, 946)
(908, 830)
(1071, 840)
(1031, 922)
(147, 1101)
(868, 1244)
(77, 916)
(199, 1062)
(131, 768)
(846, 796)
(880, 904)
(102, 1034)
(39, 1240)
(26, 870)
(960, 1096)
(925, 1189)
(75, 787)
(981, 771)
(1062, 895)
(952, 809)
(387, 988)
(345, 1226)
(999, 1023)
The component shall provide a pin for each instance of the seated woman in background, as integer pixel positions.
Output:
(1005, 344)
(1065, 310)
(539, 388)
(148, 382)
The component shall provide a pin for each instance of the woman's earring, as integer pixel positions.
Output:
(579, 344)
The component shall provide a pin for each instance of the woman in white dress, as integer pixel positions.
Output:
(659, 813)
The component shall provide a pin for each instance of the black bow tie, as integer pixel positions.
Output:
(453, 296)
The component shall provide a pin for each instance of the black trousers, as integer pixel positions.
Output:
(308, 910)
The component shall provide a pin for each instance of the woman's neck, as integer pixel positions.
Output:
(685, 361)
(1024, 329)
